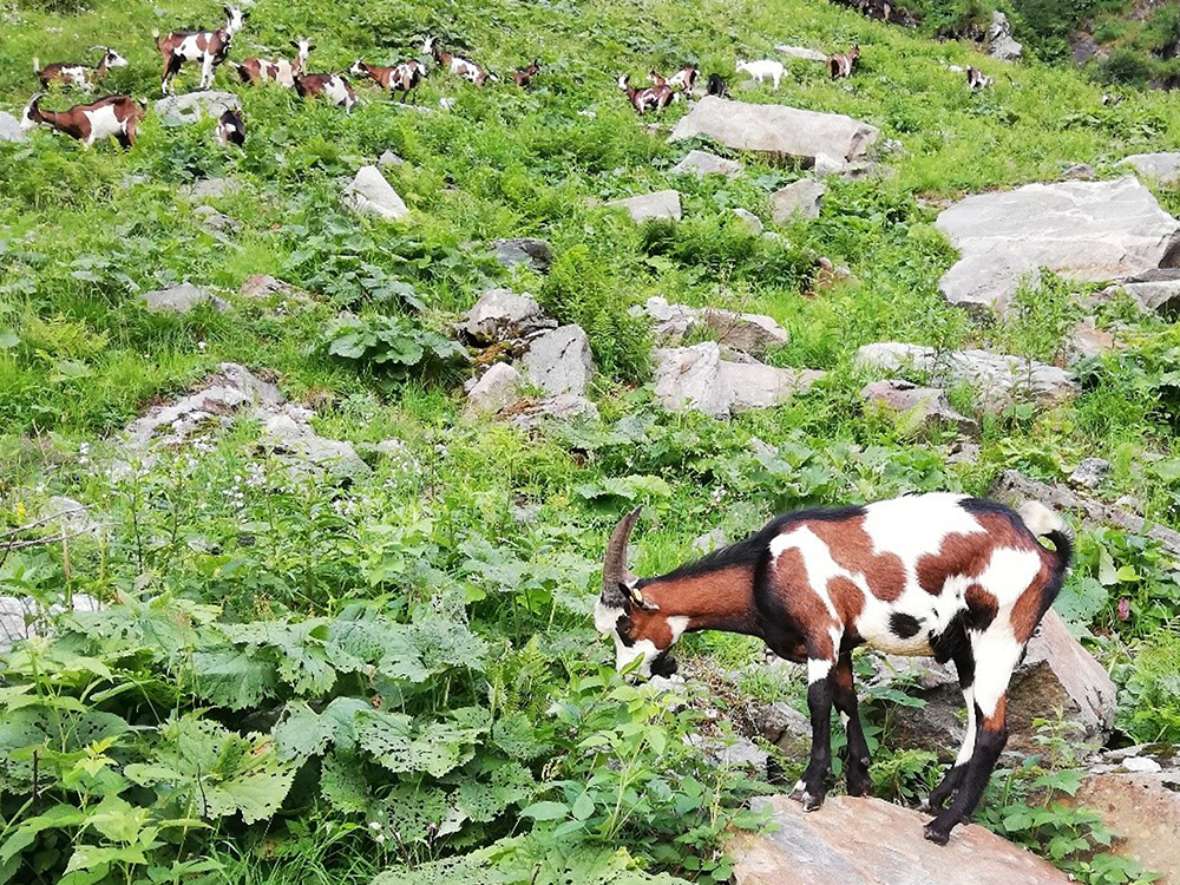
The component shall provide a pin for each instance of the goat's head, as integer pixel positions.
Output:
(303, 48)
(359, 69)
(639, 629)
(112, 59)
(32, 115)
(624, 82)
(235, 19)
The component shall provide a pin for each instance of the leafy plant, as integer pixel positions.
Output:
(383, 342)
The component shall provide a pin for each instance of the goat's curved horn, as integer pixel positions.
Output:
(614, 565)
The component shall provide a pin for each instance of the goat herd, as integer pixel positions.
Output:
(118, 116)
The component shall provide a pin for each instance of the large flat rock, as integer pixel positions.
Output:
(776, 129)
(1161, 166)
(698, 379)
(1090, 231)
(853, 841)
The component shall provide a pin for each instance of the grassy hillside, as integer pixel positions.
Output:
(204, 726)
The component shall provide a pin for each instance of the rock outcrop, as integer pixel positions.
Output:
(698, 379)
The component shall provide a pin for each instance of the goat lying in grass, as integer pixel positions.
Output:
(82, 76)
(959, 578)
(115, 116)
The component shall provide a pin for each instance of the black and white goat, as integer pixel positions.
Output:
(116, 116)
(717, 86)
(257, 71)
(231, 128)
(457, 65)
(333, 87)
(841, 66)
(977, 79)
(652, 98)
(82, 76)
(959, 578)
(401, 77)
(210, 48)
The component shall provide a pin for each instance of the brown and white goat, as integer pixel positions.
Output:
(959, 578)
(116, 116)
(333, 87)
(401, 77)
(524, 76)
(82, 76)
(683, 80)
(257, 71)
(841, 66)
(653, 98)
(210, 48)
(977, 79)
(461, 67)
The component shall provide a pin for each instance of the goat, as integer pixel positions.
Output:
(402, 77)
(977, 79)
(332, 86)
(841, 66)
(231, 129)
(462, 67)
(116, 116)
(524, 76)
(762, 70)
(959, 578)
(653, 98)
(717, 86)
(684, 79)
(82, 76)
(208, 47)
(257, 71)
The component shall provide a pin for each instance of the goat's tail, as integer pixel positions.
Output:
(1044, 523)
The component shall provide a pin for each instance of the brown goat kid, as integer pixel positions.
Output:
(842, 66)
(524, 76)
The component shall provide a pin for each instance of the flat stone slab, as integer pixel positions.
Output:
(776, 129)
(1089, 231)
(660, 205)
(1161, 166)
(859, 841)
(704, 163)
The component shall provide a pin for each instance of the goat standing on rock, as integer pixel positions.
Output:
(210, 48)
(959, 578)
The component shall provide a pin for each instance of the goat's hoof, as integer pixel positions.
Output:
(936, 834)
(812, 803)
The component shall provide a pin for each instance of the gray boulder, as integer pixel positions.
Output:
(776, 129)
(180, 110)
(1090, 473)
(262, 286)
(1000, 43)
(924, 407)
(803, 197)
(1162, 166)
(786, 728)
(661, 205)
(537, 254)
(698, 379)
(216, 222)
(288, 433)
(733, 751)
(1086, 341)
(503, 315)
(498, 388)
(10, 128)
(559, 361)
(749, 220)
(748, 332)
(370, 194)
(1157, 291)
(704, 163)
(180, 299)
(389, 158)
(1083, 230)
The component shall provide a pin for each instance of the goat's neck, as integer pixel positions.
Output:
(711, 599)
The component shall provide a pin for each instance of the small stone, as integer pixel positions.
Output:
(263, 286)
(660, 205)
(749, 220)
(536, 254)
(564, 407)
(1090, 473)
(496, 389)
(1079, 172)
(803, 198)
(10, 128)
(180, 299)
(389, 158)
(181, 110)
(735, 752)
(704, 163)
(1142, 765)
(786, 728)
(370, 194)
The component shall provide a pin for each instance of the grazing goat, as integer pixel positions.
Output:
(941, 574)
(401, 77)
(524, 76)
(763, 70)
(841, 66)
(231, 129)
(717, 86)
(977, 79)
(462, 67)
(82, 76)
(653, 98)
(116, 116)
(257, 71)
(208, 47)
(683, 80)
(332, 86)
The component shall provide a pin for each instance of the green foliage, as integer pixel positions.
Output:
(389, 342)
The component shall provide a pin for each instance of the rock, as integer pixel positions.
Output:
(10, 128)
(498, 388)
(288, 433)
(23, 617)
(1078, 172)
(537, 254)
(962, 452)
(1157, 291)
(803, 197)
(704, 163)
(864, 841)
(731, 752)
(370, 194)
(786, 728)
(1162, 166)
(1090, 473)
(709, 541)
(210, 188)
(69, 516)
(262, 286)
(180, 110)
(826, 164)
(1086, 341)
(389, 158)
(502, 315)
(1000, 379)
(697, 379)
(180, 299)
(216, 222)
(559, 361)
(1083, 230)
(922, 407)
(664, 205)
(999, 39)
(747, 332)
(776, 129)
(1141, 765)
(751, 221)
(800, 52)
(529, 414)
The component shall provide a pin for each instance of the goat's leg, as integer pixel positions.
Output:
(812, 788)
(856, 763)
(207, 70)
(965, 667)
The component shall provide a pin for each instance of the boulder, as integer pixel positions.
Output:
(698, 379)
(1090, 473)
(210, 188)
(747, 332)
(864, 841)
(786, 728)
(1086, 341)
(800, 52)
(704, 163)
(559, 361)
(536, 254)
(776, 129)
(749, 220)
(1000, 379)
(1000, 43)
(1157, 291)
(920, 407)
(529, 414)
(10, 128)
(661, 205)
(803, 197)
(498, 388)
(180, 299)
(503, 315)
(1162, 166)
(370, 194)
(180, 110)
(1088, 231)
(288, 433)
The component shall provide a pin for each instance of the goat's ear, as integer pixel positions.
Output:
(636, 596)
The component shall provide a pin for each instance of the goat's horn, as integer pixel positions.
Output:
(614, 565)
